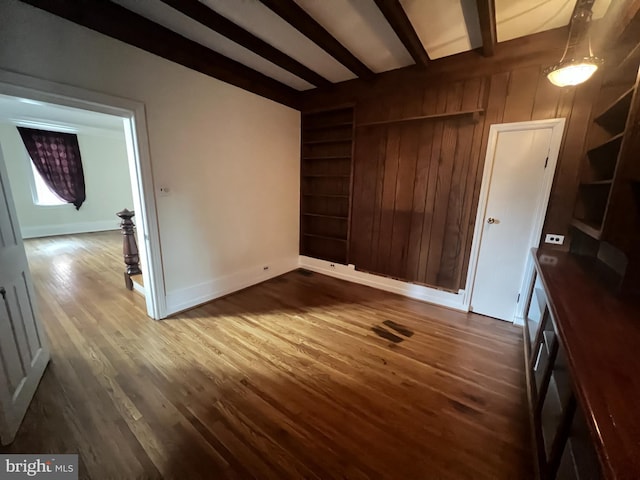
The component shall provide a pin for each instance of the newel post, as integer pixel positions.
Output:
(129, 247)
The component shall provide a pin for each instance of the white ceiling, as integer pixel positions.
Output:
(360, 26)
(34, 114)
(456, 30)
(518, 18)
(445, 27)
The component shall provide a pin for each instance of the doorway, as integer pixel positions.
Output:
(102, 150)
(518, 174)
(132, 116)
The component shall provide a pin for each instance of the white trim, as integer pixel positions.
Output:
(65, 127)
(557, 127)
(69, 228)
(411, 290)
(138, 288)
(133, 112)
(529, 278)
(43, 125)
(189, 297)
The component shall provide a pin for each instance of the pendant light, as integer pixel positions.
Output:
(575, 68)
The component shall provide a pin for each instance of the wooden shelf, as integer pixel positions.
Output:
(321, 215)
(608, 143)
(626, 62)
(323, 175)
(329, 257)
(562, 377)
(603, 158)
(594, 231)
(325, 237)
(551, 416)
(327, 126)
(462, 113)
(328, 157)
(614, 117)
(329, 195)
(597, 183)
(330, 140)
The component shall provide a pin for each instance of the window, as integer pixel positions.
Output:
(57, 167)
(42, 194)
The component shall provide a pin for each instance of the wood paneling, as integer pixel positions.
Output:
(285, 380)
(427, 182)
(417, 183)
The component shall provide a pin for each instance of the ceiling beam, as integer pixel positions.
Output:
(117, 22)
(397, 18)
(295, 16)
(487, 15)
(216, 22)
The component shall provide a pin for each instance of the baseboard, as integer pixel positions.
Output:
(139, 288)
(189, 297)
(69, 228)
(411, 290)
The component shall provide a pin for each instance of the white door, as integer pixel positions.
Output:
(519, 169)
(24, 352)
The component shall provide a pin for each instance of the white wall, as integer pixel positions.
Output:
(107, 184)
(229, 157)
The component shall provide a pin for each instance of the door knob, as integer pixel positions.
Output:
(491, 220)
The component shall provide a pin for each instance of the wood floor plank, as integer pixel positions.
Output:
(286, 379)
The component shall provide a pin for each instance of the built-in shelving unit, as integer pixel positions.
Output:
(606, 206)
(614, 116)
(600, 163)
(562, 443)
(581, 343)
(327, 145)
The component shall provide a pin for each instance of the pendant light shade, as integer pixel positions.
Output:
(573, 72)
(574, 69)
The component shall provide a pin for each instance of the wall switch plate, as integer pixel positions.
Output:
(553, 238)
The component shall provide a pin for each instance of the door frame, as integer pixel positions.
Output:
(557, 131)
(134, 118)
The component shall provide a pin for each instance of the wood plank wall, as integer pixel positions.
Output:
(416, 184)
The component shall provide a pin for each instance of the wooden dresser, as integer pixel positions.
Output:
(582, 353)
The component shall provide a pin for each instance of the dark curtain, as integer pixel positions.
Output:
(57, 158)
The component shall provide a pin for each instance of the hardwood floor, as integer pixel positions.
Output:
(288, 379)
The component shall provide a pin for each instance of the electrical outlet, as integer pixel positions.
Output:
(548, 260)
(553, 238)
(266, 267)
